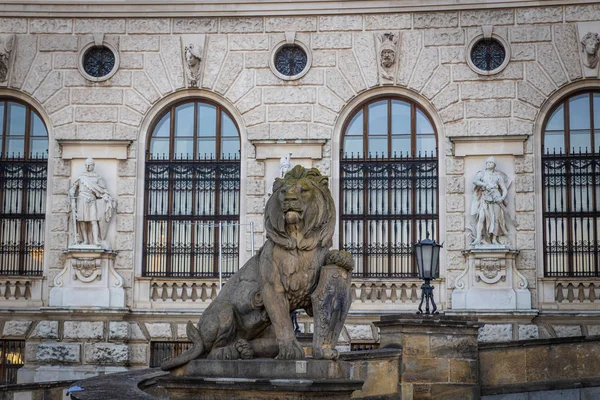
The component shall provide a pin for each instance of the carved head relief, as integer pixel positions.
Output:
(388, 49)
(590, 44)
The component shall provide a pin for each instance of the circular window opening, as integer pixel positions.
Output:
(290, 60)
(98, 61)
(488, 56)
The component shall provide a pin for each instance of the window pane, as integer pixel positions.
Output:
(230, 148)
(353, 146)
(184, 148)
(227, 126)
(38, 147)
(378, 146)
(16, 119)
(400, 117)
(356, 125)
(206, 148)
(425, 145)
(163, 126)
(1, 124)
(556, 121)
(159, 148)
(207, 120)
(554, 142)
(184, 120)
(37, 126)
(401, 146)
(579, 112)
(580, 141)
(423, 124)
(15, 146)
(378, 118)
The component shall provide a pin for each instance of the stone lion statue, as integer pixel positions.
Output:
(293, 270)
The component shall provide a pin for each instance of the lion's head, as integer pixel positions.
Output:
(301, 213)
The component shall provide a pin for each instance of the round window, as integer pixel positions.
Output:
(290, 61)
(488, 56)
(98, 63)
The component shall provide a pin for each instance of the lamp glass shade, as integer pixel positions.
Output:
(427, 254)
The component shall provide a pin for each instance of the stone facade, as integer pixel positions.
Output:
(475, 116)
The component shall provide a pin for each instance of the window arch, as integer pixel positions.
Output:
(23, 182)
(192, 187)
(571, 186)
(388, 185)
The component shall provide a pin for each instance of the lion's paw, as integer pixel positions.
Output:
(224, 353)
(290, 350)
(244, 349)
(325, 354)
(340, 258)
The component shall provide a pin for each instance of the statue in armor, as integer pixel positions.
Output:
(92, 207)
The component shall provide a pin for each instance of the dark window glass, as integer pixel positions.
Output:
(290, 60)
(192, 193)
(488, 54)
(388, 196)
(23, 181)
(12, 357)
(98, 61)
(571, 187)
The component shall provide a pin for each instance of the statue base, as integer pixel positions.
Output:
(491, 281)
(88, 279)
(261, 378)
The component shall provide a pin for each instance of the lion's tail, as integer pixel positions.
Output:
(191, 354)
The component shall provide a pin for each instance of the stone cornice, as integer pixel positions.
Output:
(237, 8)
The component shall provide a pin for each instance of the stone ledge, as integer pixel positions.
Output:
(97, 149)
(538, 342)
(496, 145)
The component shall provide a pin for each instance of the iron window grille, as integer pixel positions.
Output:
(12, 356)
(571, 187)
(192, 187)
(23, 183)
(163, 351)
(388, 186)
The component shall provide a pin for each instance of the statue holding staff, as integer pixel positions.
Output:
(92, 207)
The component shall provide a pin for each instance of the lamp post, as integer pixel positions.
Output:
(427, 254)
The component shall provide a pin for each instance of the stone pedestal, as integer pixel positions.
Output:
(440, 357)
(260, 379)
(491, 281)
(88, 279)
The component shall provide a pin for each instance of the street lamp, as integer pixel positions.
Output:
(427, 253)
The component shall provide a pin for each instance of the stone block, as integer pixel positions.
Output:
(241, 25)
(259, 59)
(455, 223)
(350, 70)
(428, 60)
(338, 40)
(216, 52)
(290, 24)
(455, 203)
(316, 131)
(455, 184)
(525, 202)
(435, 20)
(488, 127)
(495, 333)
(529, 331)
(526, 222)
(388, 21)
(125, 223)
(57, 102)
(589, 12)
(127, 168)
(94, 25)
(255, 168)
(57, 43)
(50, 25)
(119, 330)
(58, 240)
(289, 95)
(257, 132)
(291, 113)
(453, 113)
(567, 44)
(83, 330)
(195, 25)
(248, 42)
(487, 17)
(96, 114)
(446, 97)
(425, 370)
(487, 90)
(41, 67)
(548, 59)
(488, 109)
(539, 15)
(136, 332)
(106, 353)
(58, 353)
(360, 332)
(455, 241)
(160, 330)
(444, 37)
(502, 367)
(124, 241)
(525, 240)
(101, 96)
(149, 25)
(464, 371)
(521, 34)
(567, 330)
(453, 347)
(522, 52)
(452, 55)
(138, 354)
(250, 101)
(255, 117)
(15, 328)
(45, 330)
(139, 43)
(524, 183)
(524, 164)
(341, 23)
(13, 25)
(131, 61)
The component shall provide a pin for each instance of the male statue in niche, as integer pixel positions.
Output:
(489, 207)
(91, 208)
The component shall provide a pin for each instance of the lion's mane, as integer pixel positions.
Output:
(318, 218)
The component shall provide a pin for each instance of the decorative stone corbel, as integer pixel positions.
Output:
(193, 54)
(7, 44)
(387, 55)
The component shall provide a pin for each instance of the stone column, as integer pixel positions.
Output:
(440, 358)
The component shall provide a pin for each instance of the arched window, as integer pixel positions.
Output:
(389, 181)
(571, 186)
(23, 180)
(192, 193)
